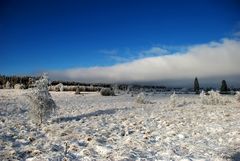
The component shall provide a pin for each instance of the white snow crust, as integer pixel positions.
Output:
(93, 127)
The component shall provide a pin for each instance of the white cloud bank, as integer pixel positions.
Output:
(212, 60)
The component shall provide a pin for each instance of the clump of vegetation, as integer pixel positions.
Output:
(19, 86)
(213, 98)
(77, 90)
(107, 92)
(203, 97)
(141, 98)
(237, 96)
(115, 88)
(59, 87)
(8, 85)
(40, 101)
(173, 99)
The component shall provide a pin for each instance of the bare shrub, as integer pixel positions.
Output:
(40, 101)
(107, 92)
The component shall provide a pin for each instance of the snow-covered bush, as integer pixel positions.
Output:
(214, 98)
(173, 99)
(237, 96)
(141, 98)
(40, 101)
(77, 90)
(107, 92)
(18, 86)
(115, 88)
(8, 85)
(129, 88)
(59, 87)
(203, 97)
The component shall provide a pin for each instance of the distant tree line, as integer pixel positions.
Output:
(13, 80)
(27, 81)
(74, 83)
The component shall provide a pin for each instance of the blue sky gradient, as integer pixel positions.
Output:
(57, 35)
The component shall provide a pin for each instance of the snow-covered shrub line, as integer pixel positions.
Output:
(214, 98)
(73, 88)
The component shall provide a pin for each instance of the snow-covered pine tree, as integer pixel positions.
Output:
(196, 86)
(224, 87)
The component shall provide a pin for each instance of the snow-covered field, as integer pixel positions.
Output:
(93, 127)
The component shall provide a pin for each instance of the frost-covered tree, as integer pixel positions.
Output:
(141, 98)
(40, 101)
(8, 85)
(77, 90)
(129, 88)
(173, 99)
(196, 86)
(59, 87)
(203, 97)
(115, 88)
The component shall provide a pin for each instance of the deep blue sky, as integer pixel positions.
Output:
(53, 35)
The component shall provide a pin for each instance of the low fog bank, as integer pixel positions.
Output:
(214, 82)
(211, 63)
